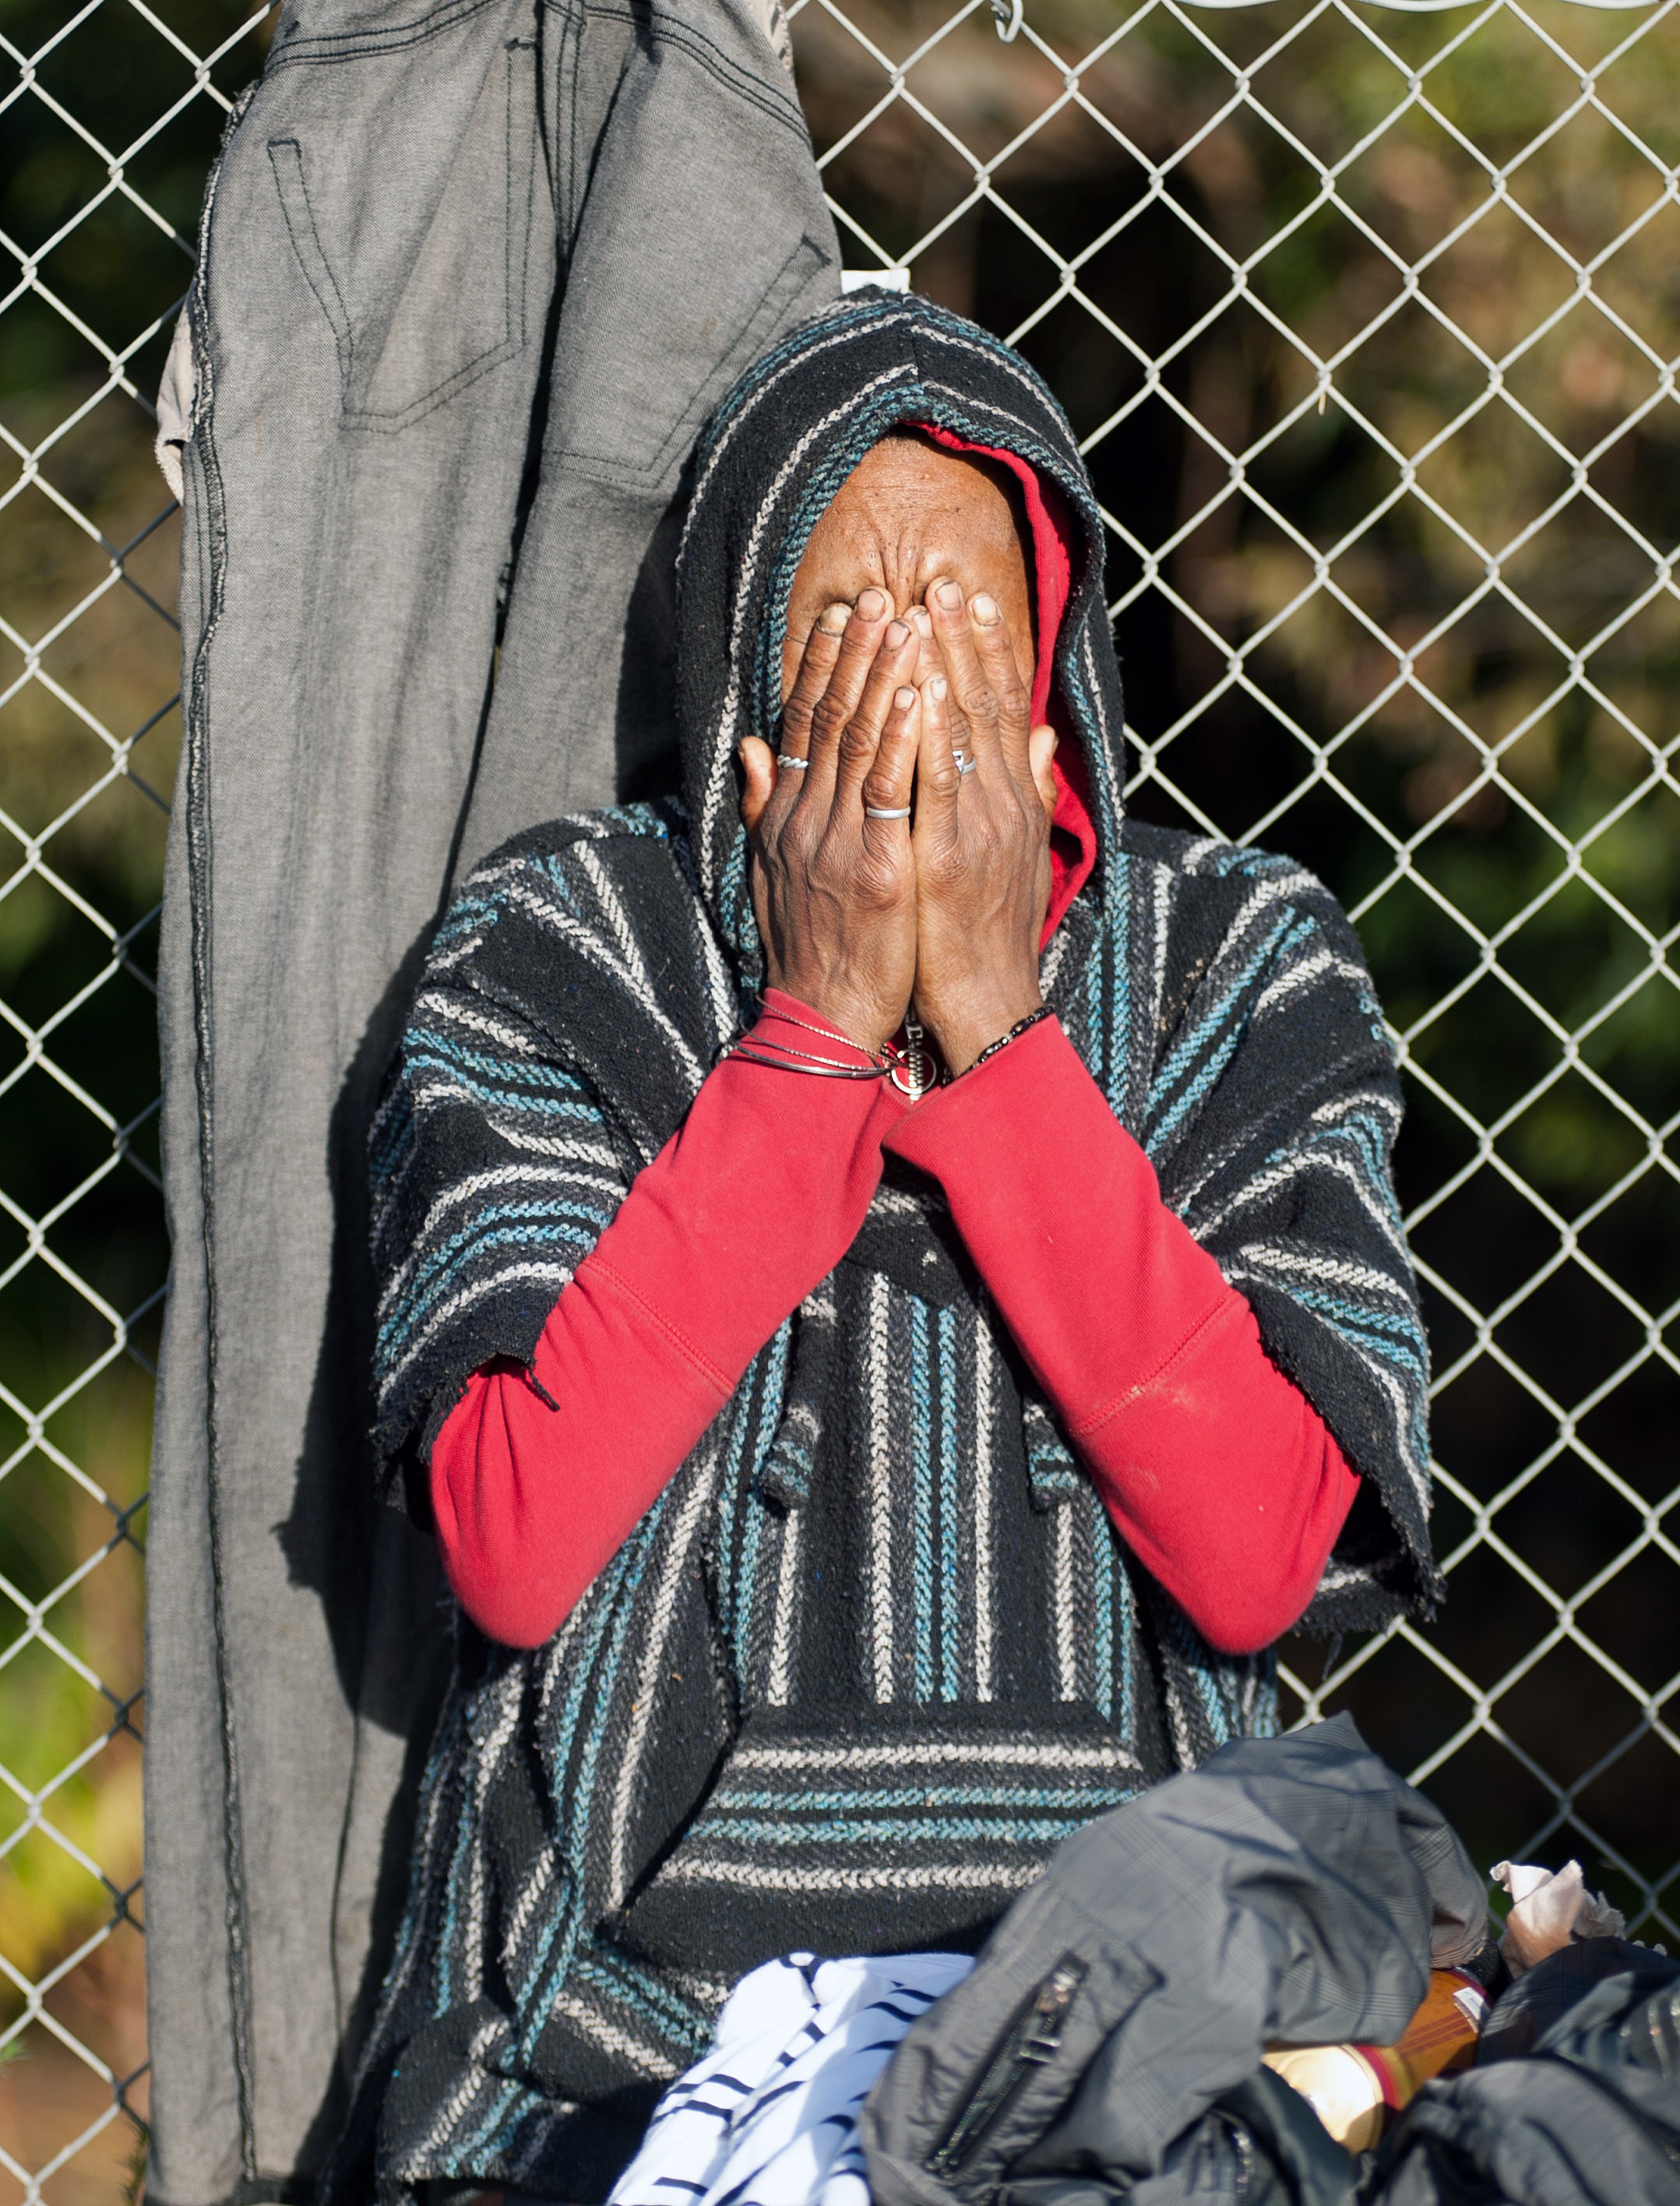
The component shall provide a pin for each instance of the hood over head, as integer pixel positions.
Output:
(772, 458)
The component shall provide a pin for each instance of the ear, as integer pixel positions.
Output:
(1041, 758)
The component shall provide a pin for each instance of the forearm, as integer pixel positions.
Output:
(746, 1209)
(1217, 1473)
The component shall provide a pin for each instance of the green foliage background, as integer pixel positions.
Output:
(83, 833)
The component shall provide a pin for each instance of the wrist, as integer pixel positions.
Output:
(965, 1028)
(854, 1024)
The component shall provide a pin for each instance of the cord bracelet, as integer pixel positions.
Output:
(1003, 1041)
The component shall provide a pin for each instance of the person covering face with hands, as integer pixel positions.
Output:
(891, 1292)
(901, 839)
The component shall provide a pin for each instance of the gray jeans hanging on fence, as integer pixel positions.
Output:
(471, 277)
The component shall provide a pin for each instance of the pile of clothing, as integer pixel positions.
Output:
(1125, 2033)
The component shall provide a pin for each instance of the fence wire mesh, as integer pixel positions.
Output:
(1368, 318)
(107, 127)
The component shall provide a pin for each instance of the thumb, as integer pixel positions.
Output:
(758, 768)
(1041, 758)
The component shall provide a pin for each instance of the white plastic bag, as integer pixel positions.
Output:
(1549, 1909)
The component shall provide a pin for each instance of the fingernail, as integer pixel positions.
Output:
(872, 604)
(936, 688)
(985, 610)
(903, 699)
(920, 622)
(897, 635)
(834, 619)
(949, 595)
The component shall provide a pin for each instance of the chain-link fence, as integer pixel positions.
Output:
(107, 127)
(1369, 318)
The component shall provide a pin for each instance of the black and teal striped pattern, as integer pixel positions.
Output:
(876, 1650)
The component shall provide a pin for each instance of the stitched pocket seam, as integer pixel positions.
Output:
(286, 160)
(285, 157)
(807, 260)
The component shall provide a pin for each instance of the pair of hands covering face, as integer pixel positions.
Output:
(865, 919)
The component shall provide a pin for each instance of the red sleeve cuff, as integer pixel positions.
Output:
(1057, 1204)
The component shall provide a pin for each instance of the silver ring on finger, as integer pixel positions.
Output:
(786, 758)
(886, 811)
(964, 763)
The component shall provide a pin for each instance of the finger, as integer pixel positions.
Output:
(982, 690)
(816, 666)
(994, 648)
(833, 712)
(889, 784)
(758, 769)
(937, 779)
(1041, 761)
(973, 709)
(894, 661)
(928, 662)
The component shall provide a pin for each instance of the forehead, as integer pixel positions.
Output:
(906, 483)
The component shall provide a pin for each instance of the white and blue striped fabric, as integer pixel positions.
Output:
(769, 2117)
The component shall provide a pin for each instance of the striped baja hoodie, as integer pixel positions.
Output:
(876, 1650)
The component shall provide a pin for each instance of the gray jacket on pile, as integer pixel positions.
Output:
(1290, 1889)
(472, 276)
(1105, 2050)
(1574, 2100)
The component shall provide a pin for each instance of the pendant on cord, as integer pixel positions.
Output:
(916, 1071)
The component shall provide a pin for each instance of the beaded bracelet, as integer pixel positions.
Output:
(1004, 1039)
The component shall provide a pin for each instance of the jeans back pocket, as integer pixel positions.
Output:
(416, 253)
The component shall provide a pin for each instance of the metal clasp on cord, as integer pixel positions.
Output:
(914, 1074)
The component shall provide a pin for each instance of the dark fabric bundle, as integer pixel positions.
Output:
(1589, 2117)
(876, 1651)
(1541, 1996)
(1290, 1889)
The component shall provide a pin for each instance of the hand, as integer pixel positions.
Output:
(834, 890)
(982, 838)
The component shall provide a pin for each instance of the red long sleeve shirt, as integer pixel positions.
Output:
(1217, 1473)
